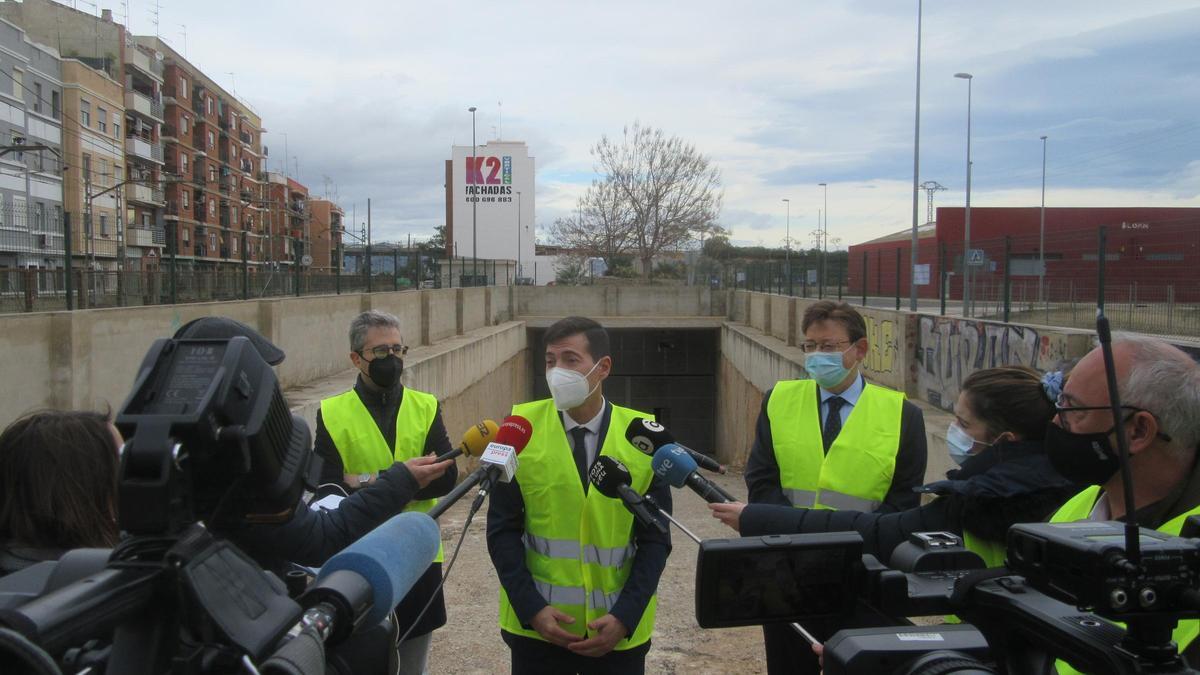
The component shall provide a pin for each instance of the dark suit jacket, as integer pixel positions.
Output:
(762, 470)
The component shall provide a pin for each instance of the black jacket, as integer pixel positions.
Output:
(1003, 485)
(383, 406)
(762, 470)
(506, 529)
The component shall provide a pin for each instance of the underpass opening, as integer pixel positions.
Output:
(670, 372)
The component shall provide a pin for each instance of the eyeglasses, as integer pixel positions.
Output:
(382, 351)
(827, 347)
(1069, 416)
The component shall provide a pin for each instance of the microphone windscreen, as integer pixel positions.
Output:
(477, 437)
(391, 558)
(647, 435)
(607, 474)
(514, 431)
(673, 464)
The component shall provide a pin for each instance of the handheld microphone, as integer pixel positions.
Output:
(611, 478)
(498, 458)
(674, 465)
(648, 436)
(474, 440)
(362, 583)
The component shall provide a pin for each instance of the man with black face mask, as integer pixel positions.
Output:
(1159, 386)
(366, 429)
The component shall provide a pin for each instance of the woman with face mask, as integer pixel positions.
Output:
(1004, 477)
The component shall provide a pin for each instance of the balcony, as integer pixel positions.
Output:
(199, 212)
(139, 236)
(145, 194)
(247, 167)
(199, 141)
(224, 251)
(247, 196)
(137, 102)
(246, 137)
(225, 218)
(143, 62)
(223, 154)
(140, 147)
(169, 93)
(169, 131)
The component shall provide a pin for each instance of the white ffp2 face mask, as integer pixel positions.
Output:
(569, 388)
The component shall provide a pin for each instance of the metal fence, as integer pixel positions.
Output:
(1145, 276)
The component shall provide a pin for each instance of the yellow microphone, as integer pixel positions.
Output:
(474, 441)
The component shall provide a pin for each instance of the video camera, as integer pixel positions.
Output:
(1017, 618)
(210, 444)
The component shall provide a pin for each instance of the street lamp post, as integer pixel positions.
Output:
(1042, 232)
(824, 237)
(966, 310)
(474, 205)
(518, 236)
(787, 244)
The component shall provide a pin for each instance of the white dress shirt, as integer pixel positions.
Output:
(593, 436)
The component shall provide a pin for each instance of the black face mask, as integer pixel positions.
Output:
(1085, 459)
(385, 372)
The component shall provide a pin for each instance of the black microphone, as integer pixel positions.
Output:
(648, 436)
(611, 478)
(675, 466)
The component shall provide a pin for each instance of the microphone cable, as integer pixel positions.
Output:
(449, 566)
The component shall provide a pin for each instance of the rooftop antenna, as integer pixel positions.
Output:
(125, 16)
(155, 11)
(232, 83)
(184, 34)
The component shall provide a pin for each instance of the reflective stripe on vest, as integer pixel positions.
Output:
(568, 549)
(857, 471)
(579, 546)
(1080, 507)
(361, 444)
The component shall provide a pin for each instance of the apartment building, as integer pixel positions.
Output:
(145, 115)
(31, 189)
(326, 222)
(93, 117)
(287, 219)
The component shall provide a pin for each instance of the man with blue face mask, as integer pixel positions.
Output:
(578, 574)
(834, 441)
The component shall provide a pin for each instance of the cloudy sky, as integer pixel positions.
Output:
(782, 95)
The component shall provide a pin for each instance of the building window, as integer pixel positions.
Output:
(212, 208)
(212, 241)
(18, 78)
(211, 140)
(37, 97)
(186, 235)
(102, 120)
(185, 199)
(208, 106)
(183, 124)
(116, 127)
(183, 88)
(103, 224)
(102, 178)
(235, 214)
(54, 104)
(39, 216)
(85, 113)
(233, 240)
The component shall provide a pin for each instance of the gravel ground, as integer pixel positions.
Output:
(470, 642)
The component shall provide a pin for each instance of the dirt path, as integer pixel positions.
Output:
(470, 642)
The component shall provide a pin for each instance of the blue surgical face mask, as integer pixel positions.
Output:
(959, 443)
(826, 368)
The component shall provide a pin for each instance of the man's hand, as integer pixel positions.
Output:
(546, 621)
(608, 632)
(730, 514)
(427, 469)
(819, 649)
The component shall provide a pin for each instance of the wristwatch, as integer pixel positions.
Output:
(364, 478)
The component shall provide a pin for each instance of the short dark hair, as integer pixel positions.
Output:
(1010, 398)
(58, 480)
(594, 333)
(838, 312)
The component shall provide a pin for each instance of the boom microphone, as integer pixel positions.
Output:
(674, 465)
(474, 440)
(387, 561)
(499, 460)
(648, 436)
(611, 478)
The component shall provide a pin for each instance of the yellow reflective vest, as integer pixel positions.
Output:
(579, 547)
(856, 473)
(361, 444)
(1080, 508)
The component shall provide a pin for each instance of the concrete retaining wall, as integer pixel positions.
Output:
(406, 306)
(439, 314)
(783, 318)
(760, 311)
(626, 301)
(473, 309)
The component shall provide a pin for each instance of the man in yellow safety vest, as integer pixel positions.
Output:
(578, 574)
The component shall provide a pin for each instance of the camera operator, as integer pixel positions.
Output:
(1159, 386)
(58, 486)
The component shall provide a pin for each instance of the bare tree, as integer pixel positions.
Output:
(669, 189)
(602, 226)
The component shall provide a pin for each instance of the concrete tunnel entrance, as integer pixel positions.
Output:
(670, 372)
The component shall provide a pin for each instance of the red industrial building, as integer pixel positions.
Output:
(1148, 252)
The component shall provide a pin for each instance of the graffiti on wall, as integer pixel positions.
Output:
(949, 350)
(885, 345)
